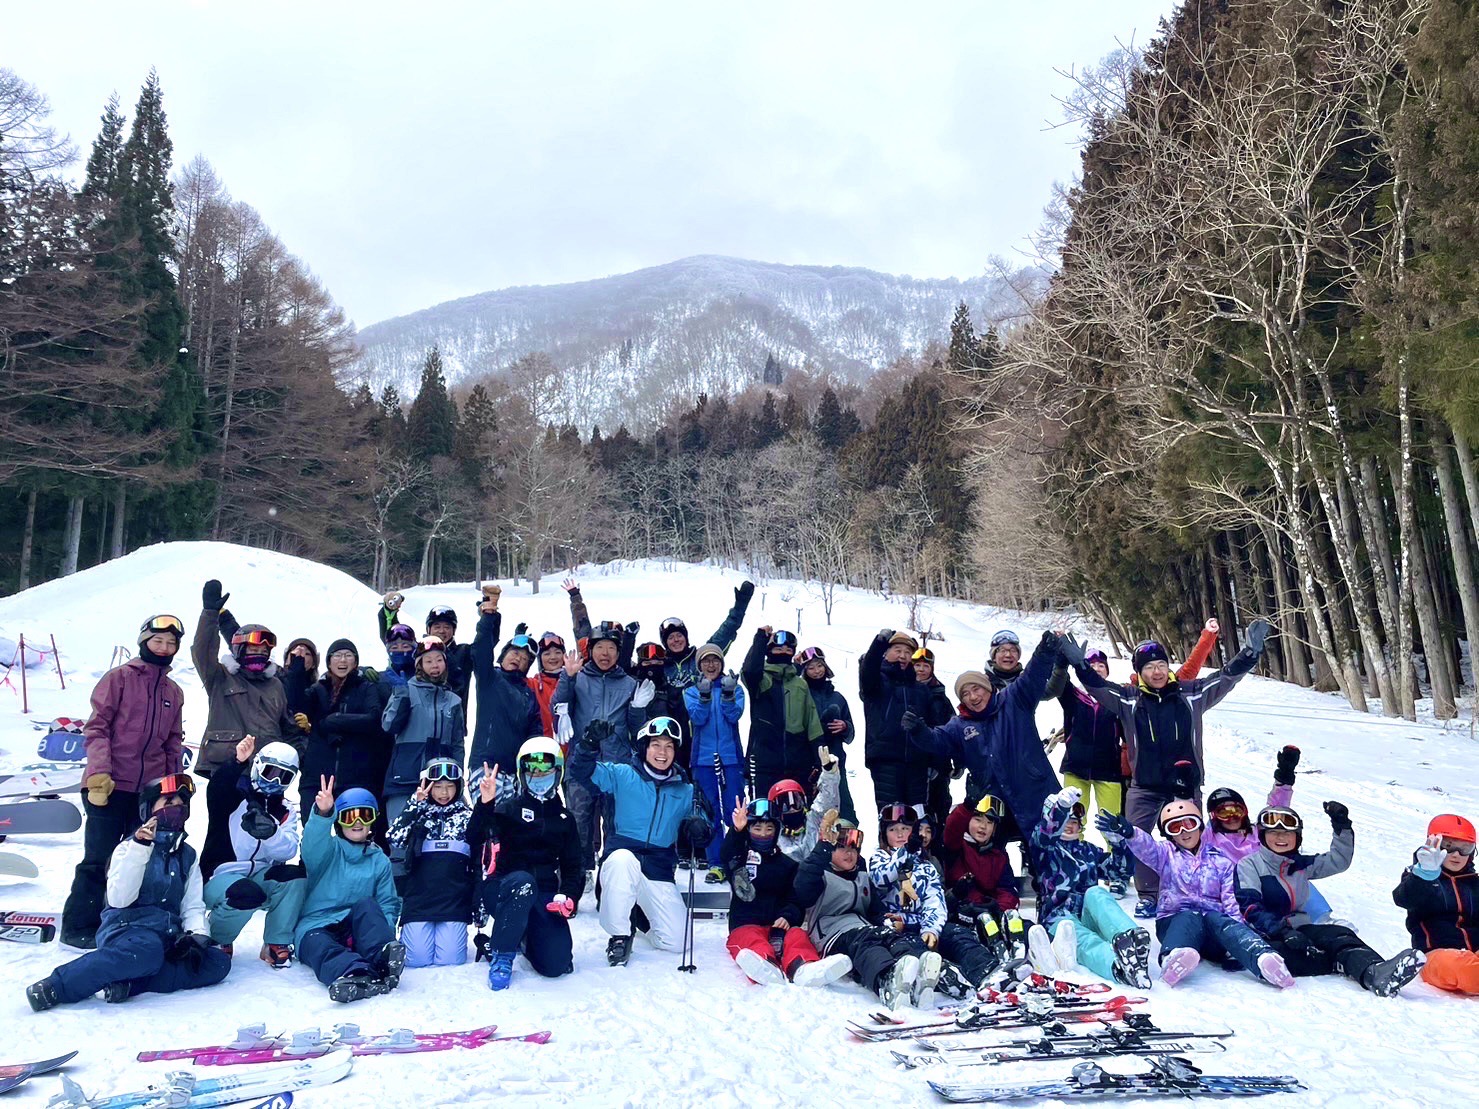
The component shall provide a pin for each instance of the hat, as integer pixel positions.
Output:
(1451, 826)
(906, 639)
(1146, 653)
(342, 645)
(970, 677)
(709, 650)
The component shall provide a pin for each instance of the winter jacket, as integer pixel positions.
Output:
(537, 835)
(835, 903)
(682, 670)
(887, 692)
(831, 706)
(507, 712)
(715, 721)
(1273, 888)
(1066, 868)
(784, 726)
(1163, 727)
(647, 814)
(340, 875)
(887, 870)
(424, 720)
(297, 682)
(1202, 881)
(601, 703)
(543, 687)
(459, 656)
(135, 732)
(440, 854)
(1441, 911)
(1000, 679)
(231, 804)
(1237, 846)
(155, 887)
(772, 873)
(976, 874)
(829, 796)
(1001, 747)
(241, 703)
(346, 734)
(1091, 735)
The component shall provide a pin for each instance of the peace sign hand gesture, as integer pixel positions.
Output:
(324, 801)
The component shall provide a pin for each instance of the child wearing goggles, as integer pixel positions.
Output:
(1274, 891)
(432, 857)
(1440, 892)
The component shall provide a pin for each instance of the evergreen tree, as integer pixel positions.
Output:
(793, 416)
(964, 352)
(100, 188)
(477, 435)
(767, 426)
(431, 426)
(828, 424)
(392, 422)
(772, 374)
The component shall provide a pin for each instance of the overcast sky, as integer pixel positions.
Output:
(411, 153)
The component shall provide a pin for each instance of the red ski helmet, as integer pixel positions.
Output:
(1451, 826)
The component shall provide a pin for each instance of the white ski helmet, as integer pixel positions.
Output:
(274, 767)
(539, 755)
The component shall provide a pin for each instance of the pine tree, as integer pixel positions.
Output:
(793, 416)
(100, 188)
(392, 422)
(431, 425)
(963, 350)
(477, 435)
(767, 426)
(772, 374)
(828, 423)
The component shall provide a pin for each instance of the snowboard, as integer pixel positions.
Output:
(28, 927)
(41, 783)
(39, 817)
(17, 866)
(14, 1074)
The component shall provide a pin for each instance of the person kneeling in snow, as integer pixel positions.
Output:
(652, 800)
(1440, 892)
(1197, 909)
(346, 930)
(432, 848)
(1273, 890)
(1087, 926)
(763, 916)
(250, 843)
(532, 875)
(152, 936)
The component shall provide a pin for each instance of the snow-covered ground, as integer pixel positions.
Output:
(646, 1034)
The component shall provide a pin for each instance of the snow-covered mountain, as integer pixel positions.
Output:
(632, 343)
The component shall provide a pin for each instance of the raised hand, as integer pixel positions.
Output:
(1069, 796)
(1115, 828)
(145, 833)
(1258, 635)
(1430, 855)
(211, 597)
(570, 585)
(246, 748)
(423, 790)
(827, 832)
(740, 818)
(488, 784)
(1340, 816)
(646, 691)
(1212, 626)
(1284, 765)
(324, 800)
(573, 663)
(1071, 650)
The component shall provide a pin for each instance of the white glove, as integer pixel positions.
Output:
(645, 692)
(564, 730)
(1068, 796)
(1430, 855)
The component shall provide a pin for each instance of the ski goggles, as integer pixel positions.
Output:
(360, 816)
(257, 637)
(651, 653)
(1230, 810)
(783, 639)
(550, 639)
(539, 762)
(809, 655)
(170, 624)
(1005, 639)
(897, 814)
(1178, 824)
(277, 773)
(848, 835)
(760, 809)
(1458, 846)
(1091, 657)
(1285, 820)
(662, 727)
(1076, 811)
(790, 802)
(990, 807)
(442, 770)
(671, 624)
(401, 633)
(924, 654)
(522, 642)
(177, 785)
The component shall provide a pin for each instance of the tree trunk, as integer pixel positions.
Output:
(1286, 609)
(1380, 537)
(1466, 467)
(1232, 618)
(72, 542)
(1458, 542)
(230, 401)
(477, 554)
(1263, 603)
(28, 536)
(120, 508)
(1358, 587)
(1406, 527)
(1445, 701)
(102, 532)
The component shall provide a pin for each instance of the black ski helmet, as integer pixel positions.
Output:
(1222, 795)
(895, 813)
(442, 614)
(1276, 817)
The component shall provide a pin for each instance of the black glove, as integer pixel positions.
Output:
(633, 628)
(1257, 636)
(1050, 640)
(1293, 939)
(915, 846)
(285, 872)
(1071, 650)
(521, 629)
(743, 594)
(1340, 816)
(211, 597)
(885, 635)
(760, 636)
(1184, 780)
(189, 949)
(588, 739)
(1286, 761)
(484, 947)
(910, 721)
(245, 894)
(258, 823)
(697, 831)
(962, 888)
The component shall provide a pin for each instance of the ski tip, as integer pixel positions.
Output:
(283, 1100)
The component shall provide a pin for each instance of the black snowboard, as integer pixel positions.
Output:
(38, 817)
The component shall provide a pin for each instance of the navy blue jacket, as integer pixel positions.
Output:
(1443, 911)
(887, 692)
(508, 714)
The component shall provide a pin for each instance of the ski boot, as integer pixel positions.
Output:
(618, 950)
(1065, 946)
(1179, 964)
(953, 983)
(759, 969)
(43, 995)
(1145, 908)
(714, 876)
(353, 987)
(922, 994)
(279, 956)
(821, 972)
(1132, 958)
(989, 932)
(1016, 933)
(1386, 978)
(1040, 951)
(393, 959)
(500, 970)
(1271, 967)
(898, 984)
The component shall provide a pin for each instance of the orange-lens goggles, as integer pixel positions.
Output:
(363, 815)
(182, 784)
(254, 638)
(165, 624)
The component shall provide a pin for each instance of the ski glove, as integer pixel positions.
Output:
(1258, 635)
(1071, 650)
(705, 688)
(1294, 940)
(633, 628)
(1340, 816)
(645, 692)
(561, 906)
(211, 597)
(1051, 641)
(910, 721)
(521, 629)
(189, 949)
(884, 635)
(301, 719)
(1068, 796)
(99, 787)
(1287, 760)
(728, 684)
(1115, 827)
(743, 594)
(1430, 858)
(246, 895)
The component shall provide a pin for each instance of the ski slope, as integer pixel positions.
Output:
(647, 1035)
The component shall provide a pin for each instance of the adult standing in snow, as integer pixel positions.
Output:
(441, 622)
(715, 705)
(784, 726)
(299, 672)
(1161, 720)
(1003, 667)
(424, 719)
(681, 663)
(134, 735)
(244, 687)
(890, 690)
(400, 654)
(507, 712)
(836, 716)
(343, 724)
(546, 678)
(938, 711)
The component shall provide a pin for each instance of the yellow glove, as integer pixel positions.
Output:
(825, 833)
(301, 719)
(99, 786)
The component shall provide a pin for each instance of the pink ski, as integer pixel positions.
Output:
(399, 1042)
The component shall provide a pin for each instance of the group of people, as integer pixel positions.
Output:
(355, 812)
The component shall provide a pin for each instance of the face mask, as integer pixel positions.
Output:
(541, 785)
(402, 662)
(153, 659)
(255, 664)
(762, 843)
(170, 824)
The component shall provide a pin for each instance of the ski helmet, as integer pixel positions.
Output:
(782, 641)
(1451, 826)
(1096, 655)
(539, 767)
(1280, 818)
(670, 625)
(790, 804)
(356, 806)
(1223, 796)
(171, 785)
(520, 642)
(895, 813)
(442, 614)
(401, 633)
(274, 767)
(1177, 812)
(169, 625)
(659, 727)
(251, 635)
(608, 630)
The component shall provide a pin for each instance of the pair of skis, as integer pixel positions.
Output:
(269, 1087)
(14, 1074)
(253, 1045)
(1020, 1013)
(1137, 1037)
(1169, 1076)
(28, 927)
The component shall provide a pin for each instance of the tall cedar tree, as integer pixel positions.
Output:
(432, 423)
(767, 426)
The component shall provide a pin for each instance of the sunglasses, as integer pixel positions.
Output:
(1286, 820)
(361, 816)
(1178, 824)
(442, 770)
(663, 726)
(1230, 811)
(254, 638)
(164, 624)
(1458, 846)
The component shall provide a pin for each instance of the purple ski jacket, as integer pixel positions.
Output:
(135, 732)
(1203, 880)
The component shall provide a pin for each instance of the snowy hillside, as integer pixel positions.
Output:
(647, 1035)
(633, 342)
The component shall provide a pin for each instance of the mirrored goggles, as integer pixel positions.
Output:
(257, 637)
(442, 770)
(282, 775)
(783, 639)
(848, 835)
(663, 726)
(179, 784)
(989, 807)
(359, 816)
(808, 655)
(924, 654)
(550, 639)
(1076, 811)
(522, 642)
(897, 814)
(163, 624)
(1178, 824)
(1280, 820)
(1230, 810)
(1004, 638)
(540, 762)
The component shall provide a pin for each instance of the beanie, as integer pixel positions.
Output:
(970, 677)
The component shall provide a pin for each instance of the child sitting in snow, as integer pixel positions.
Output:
(1085, 922)
(981, 889)
(346, 928)
(1197, 910)
(1273, 890)
(429, 846)
(1440, 892)
(802, 816)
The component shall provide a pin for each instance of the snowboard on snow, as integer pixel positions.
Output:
(17, 866)
(41, 783)
(39, 818)
(28, 927)
(14, 1074)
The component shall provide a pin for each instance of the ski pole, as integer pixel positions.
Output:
(687, 966)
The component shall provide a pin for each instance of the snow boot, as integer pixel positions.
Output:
(279, 956)
(1386, 978)
(1132, 958)
(759, 969)
(922, 996)
(1116, 887)
(1145, 908)
(1179, 963)
(953, 983)
(898, 983)
(1065, 946)
(1275, 973)
(393, 961)
(115, 993)
(43, 995)
(618, 950)
(1040, 951)
(821, 972)
(353, 987)
(744, 889)
(500, 970)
